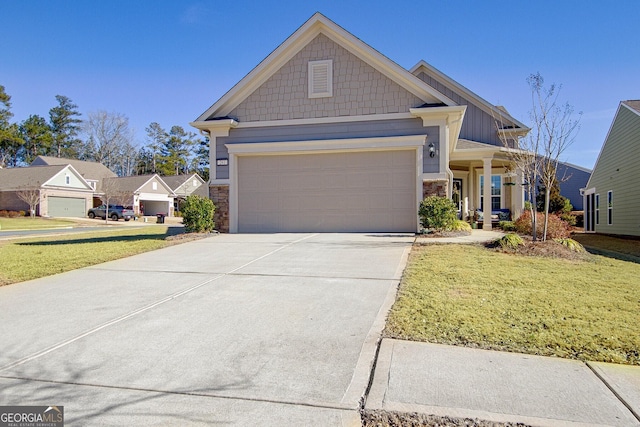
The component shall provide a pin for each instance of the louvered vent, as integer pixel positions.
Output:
(320, 79)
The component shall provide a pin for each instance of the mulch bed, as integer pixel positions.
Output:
(413, 419)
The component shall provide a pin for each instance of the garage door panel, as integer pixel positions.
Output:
(353, 191)
(66, 207)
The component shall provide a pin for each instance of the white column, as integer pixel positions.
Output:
(486, 199)
(517, 196)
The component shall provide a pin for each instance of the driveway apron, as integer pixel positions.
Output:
(233, 329)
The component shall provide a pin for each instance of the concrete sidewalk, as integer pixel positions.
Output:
(496, 386)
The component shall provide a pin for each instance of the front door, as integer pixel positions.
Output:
(456, 195)
(590, 214)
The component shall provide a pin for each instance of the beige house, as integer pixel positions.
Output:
(327, 134)
(610, 200)
(62, 191)
(147, 194)
(184, 186)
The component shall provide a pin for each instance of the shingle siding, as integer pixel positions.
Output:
(358, 89)
(617, 170)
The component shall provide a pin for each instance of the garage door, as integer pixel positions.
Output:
(337, 192)
(66, 206)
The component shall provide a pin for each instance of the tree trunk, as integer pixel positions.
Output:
(547, 192)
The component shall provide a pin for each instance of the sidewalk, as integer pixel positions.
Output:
(495, 386)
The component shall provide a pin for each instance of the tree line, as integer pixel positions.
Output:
(102, 137)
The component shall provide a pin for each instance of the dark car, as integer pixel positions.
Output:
(116, 212)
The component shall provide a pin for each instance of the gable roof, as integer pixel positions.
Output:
(13, 179)
(319, 24)
(633, 105)
(493, 110)
(177, 181)
(92, 171)
(134, 183)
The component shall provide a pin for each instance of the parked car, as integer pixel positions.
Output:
(116, 212)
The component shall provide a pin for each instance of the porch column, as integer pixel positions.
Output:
(486, 198)
(517, 196)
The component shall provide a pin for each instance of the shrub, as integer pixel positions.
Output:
(571, 244)
(569, 218)
(197, 214)
(459, 225)
(507, 225)
(510, 241)
(557, 228)
(437, 213)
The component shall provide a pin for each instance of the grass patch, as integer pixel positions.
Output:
(26, 223)
(610, 246)
(28, 259)
(472, 296)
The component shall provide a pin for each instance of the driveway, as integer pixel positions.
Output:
(236, 329)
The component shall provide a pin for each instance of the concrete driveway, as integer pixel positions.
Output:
(235, 329)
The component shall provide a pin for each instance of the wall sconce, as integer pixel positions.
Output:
(432, 150)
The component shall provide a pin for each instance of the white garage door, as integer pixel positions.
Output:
(66, 207)
(337, 192)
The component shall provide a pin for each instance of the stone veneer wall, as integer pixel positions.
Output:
(434, 188)
(219, 194)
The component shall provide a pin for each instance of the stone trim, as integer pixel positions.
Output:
(219, 194)
(434, 188)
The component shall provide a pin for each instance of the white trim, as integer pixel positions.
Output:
(220, 182)
(326, 120)
(596, 208)
(434, 176)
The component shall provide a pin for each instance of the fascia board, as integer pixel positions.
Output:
(74, 172)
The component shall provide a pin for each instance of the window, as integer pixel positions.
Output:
(610, 207)
(195, 183)
(67, 179)
(154, 185)
(496, 192)
(597, 203)
(321, 79)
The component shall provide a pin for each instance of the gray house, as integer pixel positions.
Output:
(147, 194)
(611, 203)
(327, 134)
(61, 190)
(186, 185)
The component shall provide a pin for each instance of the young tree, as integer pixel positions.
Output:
(31, 196)
(65, 126)
(555, 127)
(112, 194)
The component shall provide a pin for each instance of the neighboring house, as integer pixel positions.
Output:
(186, 185)
(327, 134)
(572, 180)
(147, 194)
(611, 203)
(92, 172)
(62, 189)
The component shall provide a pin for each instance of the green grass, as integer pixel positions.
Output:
(473, 296)
(26, 223)
(27, 259)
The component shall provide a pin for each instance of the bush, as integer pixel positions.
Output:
(571, 244)
(507, 225)
(557, 229)
(510, 241)
(459, 225)
(569, 218)
(197, 214)
(437, 213)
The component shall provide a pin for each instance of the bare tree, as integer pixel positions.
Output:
(536, 156)
(31, 196)
(110, 139)
(112, 193)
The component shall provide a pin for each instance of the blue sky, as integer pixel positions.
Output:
(169, 61)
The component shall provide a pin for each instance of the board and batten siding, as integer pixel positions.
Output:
(478, 125)
(617, 170)
(362, 129)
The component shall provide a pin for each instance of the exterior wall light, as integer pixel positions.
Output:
(432, 150)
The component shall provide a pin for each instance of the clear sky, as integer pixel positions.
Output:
(168, 61)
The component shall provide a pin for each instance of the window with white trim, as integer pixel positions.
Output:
(154, 185)
(496, 192)
(597, 203)
(67, 179)
(321, 78)
(610, 207)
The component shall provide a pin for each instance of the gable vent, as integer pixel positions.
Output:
(321, 79)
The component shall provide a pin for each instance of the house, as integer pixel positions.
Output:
(327, 134)
(186, 185)
(573, 179)
(148, 194)
(92, 172)
(61, 190)
(610, 199)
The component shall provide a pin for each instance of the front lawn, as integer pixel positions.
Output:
(27, 223)
(474, 296)
(27, 259)
(609, 245)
